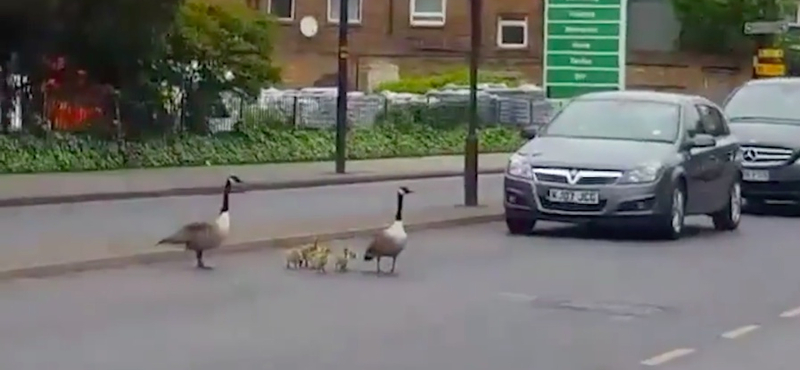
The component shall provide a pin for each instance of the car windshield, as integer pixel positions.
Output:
(637, 120)
(767, 101)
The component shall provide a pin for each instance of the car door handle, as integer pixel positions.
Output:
(713, 158)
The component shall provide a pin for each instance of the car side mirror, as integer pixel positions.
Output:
(529, 132)
(700, 141)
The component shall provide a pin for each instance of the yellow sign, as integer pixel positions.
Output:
(770, 70)
(770, 53)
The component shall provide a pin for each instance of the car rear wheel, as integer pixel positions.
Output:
(520, 226)
(729, 217)
(670, 226)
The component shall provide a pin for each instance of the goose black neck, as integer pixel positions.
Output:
(225, 195)
(399, 215)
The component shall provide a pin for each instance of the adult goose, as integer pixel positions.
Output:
(391, 241)
(202, 236)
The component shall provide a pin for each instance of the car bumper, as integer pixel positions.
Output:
(783, 184)
(527, 199)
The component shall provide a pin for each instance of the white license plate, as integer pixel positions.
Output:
(755, 175)
(573, 196)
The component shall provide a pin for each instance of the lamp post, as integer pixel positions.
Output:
(341, 98)
(471, 144)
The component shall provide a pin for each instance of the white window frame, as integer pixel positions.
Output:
(349, 20)
(423, 19)
(268, 9)
(512, 23)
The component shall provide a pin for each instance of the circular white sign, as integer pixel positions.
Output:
(308, 26)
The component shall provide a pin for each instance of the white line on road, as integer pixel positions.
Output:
(518, 297)
(739, 332)
(667, 356)
(791, 313)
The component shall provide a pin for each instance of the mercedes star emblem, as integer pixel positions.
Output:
(749, 155)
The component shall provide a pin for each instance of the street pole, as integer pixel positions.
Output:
(471, 144)
(341, 99)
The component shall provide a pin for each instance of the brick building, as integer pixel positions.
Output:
(423, 36)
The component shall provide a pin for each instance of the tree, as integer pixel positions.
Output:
(215, 47)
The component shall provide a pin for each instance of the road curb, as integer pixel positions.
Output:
(282, 242)
(212, 190)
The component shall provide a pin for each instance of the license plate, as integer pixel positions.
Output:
(755, 175)
(573, 196)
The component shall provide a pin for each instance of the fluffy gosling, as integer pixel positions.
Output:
(343, 259)
(319, 259)
(294, 258)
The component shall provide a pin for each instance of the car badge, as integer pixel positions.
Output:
(572, 176)
(749, 155)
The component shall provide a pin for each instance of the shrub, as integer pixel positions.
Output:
(423, 84)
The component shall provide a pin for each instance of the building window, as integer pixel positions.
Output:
(353, 11)
(428, 12)
(281, 9)
(512, 33)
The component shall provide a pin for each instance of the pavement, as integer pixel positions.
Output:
(54, 188)
(463, 298)
(51, 239)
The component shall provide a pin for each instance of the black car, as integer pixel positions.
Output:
(627, 156)
(765, 116)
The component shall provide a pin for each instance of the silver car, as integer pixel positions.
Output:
(630, 156)
(765, 116)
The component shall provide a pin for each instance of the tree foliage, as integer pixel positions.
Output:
(715, 26)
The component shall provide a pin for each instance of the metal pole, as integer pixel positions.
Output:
(471, 145)
(342, 80)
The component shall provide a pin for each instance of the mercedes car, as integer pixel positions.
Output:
(636, 157)
(765, 116)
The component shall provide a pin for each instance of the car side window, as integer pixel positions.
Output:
(712, 121)
(693, 125)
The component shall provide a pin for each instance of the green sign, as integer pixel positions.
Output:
(584, 46)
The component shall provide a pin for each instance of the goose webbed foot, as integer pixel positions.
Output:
(200, 264)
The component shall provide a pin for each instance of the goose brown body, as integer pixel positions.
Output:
(202, 236)
(391, 241)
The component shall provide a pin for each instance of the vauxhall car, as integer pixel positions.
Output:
(636, 157)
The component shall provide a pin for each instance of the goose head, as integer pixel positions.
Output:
(404, 190)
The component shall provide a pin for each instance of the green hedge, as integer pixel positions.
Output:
(25, 154)
(459, 76)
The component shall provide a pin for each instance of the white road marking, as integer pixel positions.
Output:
(738, 332)
(518, 297)
(667, 356)
(791, 313)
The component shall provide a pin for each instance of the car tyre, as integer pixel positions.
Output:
(520, 226)
(728, 218)
(670, 227)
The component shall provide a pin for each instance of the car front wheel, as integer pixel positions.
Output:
(670, 226)
(729, 217)
(520, 226)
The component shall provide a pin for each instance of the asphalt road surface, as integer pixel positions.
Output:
(147, 220)
(463, 298)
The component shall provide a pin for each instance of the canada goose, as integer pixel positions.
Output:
(390, 241)
(294, 258)
(343, 259)
(202, 236)
(319, 259)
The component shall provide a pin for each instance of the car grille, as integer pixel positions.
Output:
(572, 207)
(560, 176)
(765, 156)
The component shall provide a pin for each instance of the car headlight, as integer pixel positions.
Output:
(739, 156)
(518, 166)
(642, 174)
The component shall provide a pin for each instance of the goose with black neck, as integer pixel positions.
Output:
(203, 236)
(391, 241)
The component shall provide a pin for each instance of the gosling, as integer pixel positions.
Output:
(294, 258)
(308, 251)
(343, 259)
(319, 259)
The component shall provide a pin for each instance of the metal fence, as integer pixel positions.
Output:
(316, 107)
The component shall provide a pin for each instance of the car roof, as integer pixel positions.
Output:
(774, 81)
(654, 96)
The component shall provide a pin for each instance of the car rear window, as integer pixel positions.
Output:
(638, 120)
(777, 101)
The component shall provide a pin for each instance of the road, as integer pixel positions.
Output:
(32, 233)
(466, 298)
